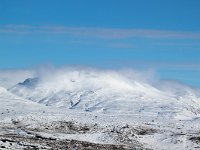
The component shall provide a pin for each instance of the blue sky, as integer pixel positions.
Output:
(141, 34)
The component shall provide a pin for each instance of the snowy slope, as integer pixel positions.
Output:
(12, 105)
(112, 93)
(14, 99)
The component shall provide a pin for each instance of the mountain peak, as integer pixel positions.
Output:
(29, 82)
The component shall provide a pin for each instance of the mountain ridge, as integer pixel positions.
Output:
(113, 94)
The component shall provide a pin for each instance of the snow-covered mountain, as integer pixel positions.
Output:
(103, 107)
(110, 92)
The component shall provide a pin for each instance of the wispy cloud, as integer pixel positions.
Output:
(183, 44)
(166, 65)
(110, 33)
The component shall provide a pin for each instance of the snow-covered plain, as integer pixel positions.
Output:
(126, 109)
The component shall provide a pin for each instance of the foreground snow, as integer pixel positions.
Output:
(108, 109)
